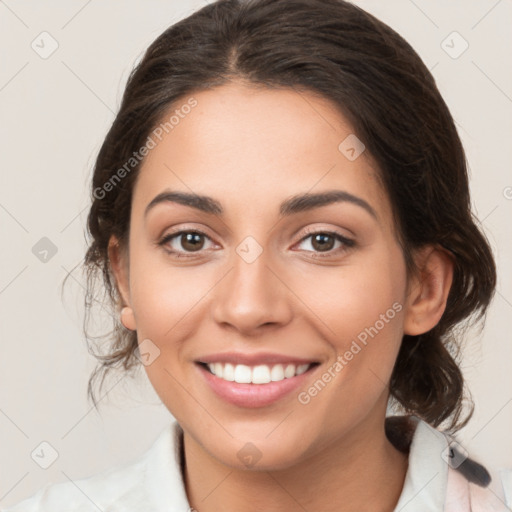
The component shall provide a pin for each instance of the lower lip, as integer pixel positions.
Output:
(253, 395)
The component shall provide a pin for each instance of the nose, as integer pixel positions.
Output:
(253, 296)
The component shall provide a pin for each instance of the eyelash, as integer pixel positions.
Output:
(347, 242)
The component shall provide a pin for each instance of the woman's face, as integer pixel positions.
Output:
(257, 288)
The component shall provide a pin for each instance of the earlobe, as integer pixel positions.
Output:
(429, 290)
(127, 318)
(119, 268)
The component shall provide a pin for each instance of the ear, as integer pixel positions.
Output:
(428, 290)
(119, 265)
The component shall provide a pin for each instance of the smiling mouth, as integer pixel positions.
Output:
(257, 374)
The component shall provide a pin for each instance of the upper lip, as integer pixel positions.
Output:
(253, 359)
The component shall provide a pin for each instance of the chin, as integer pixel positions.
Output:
(257, 453)
(253, 458)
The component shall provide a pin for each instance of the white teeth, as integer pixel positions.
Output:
(289, 371)
(229, 372)
(218, 369)
(260, 374)
(301, 369)
(242, 374)
(277, 372)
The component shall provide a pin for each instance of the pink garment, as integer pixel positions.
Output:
(464, 496)
(465, 484)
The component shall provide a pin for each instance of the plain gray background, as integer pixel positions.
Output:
(54, 114)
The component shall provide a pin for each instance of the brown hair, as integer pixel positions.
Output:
(338, 51)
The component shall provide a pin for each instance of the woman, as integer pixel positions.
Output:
(281, 215)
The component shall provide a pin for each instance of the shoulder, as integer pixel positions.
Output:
(121, 485)
(479, 488)
(443, 474)
(150, 482)
(483, 487)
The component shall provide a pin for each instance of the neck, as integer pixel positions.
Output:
(361, 471)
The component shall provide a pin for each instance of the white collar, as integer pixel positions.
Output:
(424, 487)
(154, 482)
(163, 475)
(425, 481)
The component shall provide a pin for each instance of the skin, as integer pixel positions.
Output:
(252, 148)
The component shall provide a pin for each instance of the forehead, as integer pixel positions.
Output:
(254, 147)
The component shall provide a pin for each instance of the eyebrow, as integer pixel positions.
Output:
(295, 204)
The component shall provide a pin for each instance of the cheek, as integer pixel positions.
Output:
(362, 307)
(353, 300)
(170, 304)
(166, 301)
(375, 310)
(164, 296)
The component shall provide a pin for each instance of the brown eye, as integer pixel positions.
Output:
(322, 242)
(183, 243)
(191, 241)
(325, 242)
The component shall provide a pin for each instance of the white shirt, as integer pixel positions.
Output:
(154, 482)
